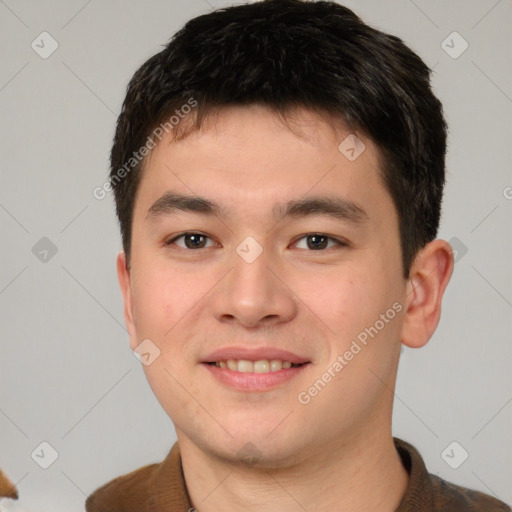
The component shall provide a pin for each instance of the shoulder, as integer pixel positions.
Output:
(448, 496)
(430, 492)
(153, 487)
(126, 492)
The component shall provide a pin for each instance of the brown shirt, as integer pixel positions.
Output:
(161, 488)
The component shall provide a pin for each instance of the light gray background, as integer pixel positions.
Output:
(68, 376)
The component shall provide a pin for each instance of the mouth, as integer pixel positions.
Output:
(253, 370)
(259, 366)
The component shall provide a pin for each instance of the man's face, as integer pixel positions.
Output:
(250, 283)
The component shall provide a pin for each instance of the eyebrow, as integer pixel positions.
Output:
(328, 206)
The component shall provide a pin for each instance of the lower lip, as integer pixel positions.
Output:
(251, 381)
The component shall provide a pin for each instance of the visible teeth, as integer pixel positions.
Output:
(276, 364)
(245, 366)
(260, 366)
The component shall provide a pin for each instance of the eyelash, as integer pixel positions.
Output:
(339, 243)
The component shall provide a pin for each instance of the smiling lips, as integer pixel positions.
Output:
(254, 369)
(260, 366)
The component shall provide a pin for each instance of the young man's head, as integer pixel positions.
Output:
(278, 172)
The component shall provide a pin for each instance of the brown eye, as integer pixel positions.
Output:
(190, 241)
(319, 241)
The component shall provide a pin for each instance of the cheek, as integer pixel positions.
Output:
(161, 297)
(360, 302)
(345, 298)
(167, 311)
(150, 303)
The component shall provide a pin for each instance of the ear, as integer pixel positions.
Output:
(429, 276)
(124, 277)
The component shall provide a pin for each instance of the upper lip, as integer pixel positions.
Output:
(253, 354)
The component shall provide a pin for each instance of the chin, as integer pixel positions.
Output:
(254, 447)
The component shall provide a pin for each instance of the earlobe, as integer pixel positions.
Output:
(430, 274)
(124, 278)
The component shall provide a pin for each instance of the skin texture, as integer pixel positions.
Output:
(336, 451)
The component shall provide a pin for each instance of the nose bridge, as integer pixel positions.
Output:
(252, 293)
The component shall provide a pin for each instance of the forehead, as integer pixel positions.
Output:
(249, 158)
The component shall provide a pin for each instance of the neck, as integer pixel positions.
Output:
(363, 475)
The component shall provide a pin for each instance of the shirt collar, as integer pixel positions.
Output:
(170, 492)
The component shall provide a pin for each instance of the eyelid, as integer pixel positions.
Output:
(339, 242)
(181, 235)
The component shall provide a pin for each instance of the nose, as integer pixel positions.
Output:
(254, 294)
